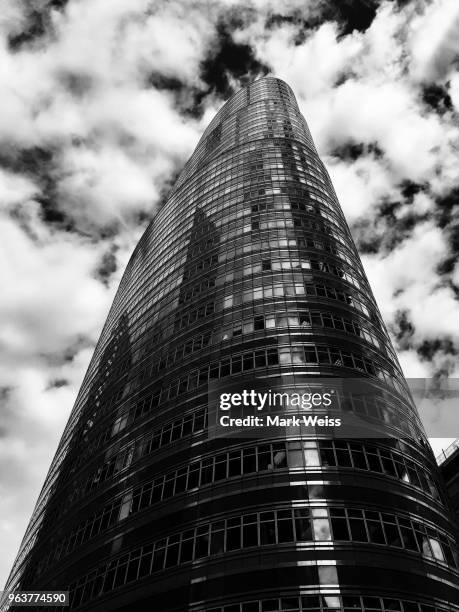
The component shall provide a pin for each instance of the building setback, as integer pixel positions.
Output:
(449, 469)
(247, 272)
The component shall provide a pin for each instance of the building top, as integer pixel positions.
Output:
(448, 452)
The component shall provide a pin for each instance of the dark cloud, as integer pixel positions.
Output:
(445, 207)
(5, 393)
(429, 348)
(397, 230)
(366, 236)
(36, 25)
(188, 99)
(34, 28)
(447, 265)
(57, 4)
(57, 383)
(402, 329)
(451, 234)
(107, 265)
(274, 20)
(39, 164)
(437, 98)
(164, 82)
(390, 228)
(350, 15)
(302, 25)
(71, 351)
(226, 60)
(344, 76)
(409, 189)
(229, 59)
(350, 151)
(77, 84)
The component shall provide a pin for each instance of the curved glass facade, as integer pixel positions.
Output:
(248, 271)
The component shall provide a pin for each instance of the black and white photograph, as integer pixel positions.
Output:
(229, 315)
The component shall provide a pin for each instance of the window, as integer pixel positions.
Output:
(321, 524)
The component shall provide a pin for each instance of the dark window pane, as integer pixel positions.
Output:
(285, 530)
(289, 603)
(158, 559)
(172, 553)
(133, 568)
(233, 538)
(373, 462)
(409, 541)
(392, 535)
(340, 530)
(248, 362)
(358, 532)
(206, 472)
(359, 460)
(269, 605)
(186, 551)
(193, 476)
(250, 537)
(145, 563)
(202, 546)
(303, 529)
(217, 542)
(344, 458)
(327, 456)
(220, 470)
(376, 533)
(249, 461)
(267, 533)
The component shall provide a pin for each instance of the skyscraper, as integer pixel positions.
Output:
(247, 273)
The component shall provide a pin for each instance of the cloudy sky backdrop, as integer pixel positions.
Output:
(102, 102)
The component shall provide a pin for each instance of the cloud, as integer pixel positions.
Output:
(15, 189)
(361, 184)
(434, 41)
(454, 90)
(94, 109)
(406, 280)
(54, 296)
(101, 186)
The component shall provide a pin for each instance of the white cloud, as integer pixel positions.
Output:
(406, 280)
(412, 365)
(383, 113)
(100, 186)
(454, 90)
(15, 188)
(50, 297)
(361, 185)
(312, 67)
(434, 40)
(93, 88)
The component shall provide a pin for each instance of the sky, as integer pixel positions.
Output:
(103, 101)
